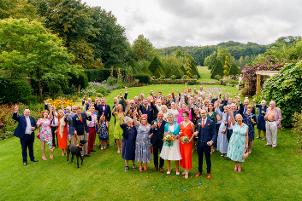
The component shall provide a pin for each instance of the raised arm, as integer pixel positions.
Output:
(16, 117)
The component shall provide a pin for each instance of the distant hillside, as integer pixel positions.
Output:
(237, 49)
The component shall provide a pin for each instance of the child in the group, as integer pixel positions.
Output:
(103, 132)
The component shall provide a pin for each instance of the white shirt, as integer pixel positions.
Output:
(28, 126)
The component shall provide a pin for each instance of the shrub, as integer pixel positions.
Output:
(13, 91)
(195, 76)
(217, 77)
(286, 89)
(298, 127)
(143, 78)
(111, 80)
(185, 77)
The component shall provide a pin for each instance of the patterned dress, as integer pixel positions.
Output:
(142, 148)
(237, 143)
(45, 131)
(103, 131)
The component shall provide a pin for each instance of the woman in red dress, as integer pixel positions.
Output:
(186, 143)
(62, 132)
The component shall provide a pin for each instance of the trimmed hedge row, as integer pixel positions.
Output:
(99, 75)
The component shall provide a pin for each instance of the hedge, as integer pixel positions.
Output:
(99, 75)
(142, 78)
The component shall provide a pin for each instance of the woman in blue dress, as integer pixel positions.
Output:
(238, 143)
(128, 142)
(222, 141)
(260, 120)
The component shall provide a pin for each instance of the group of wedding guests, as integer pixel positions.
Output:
(167, 127)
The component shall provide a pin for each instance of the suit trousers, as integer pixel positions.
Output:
(156, 150)
(203, 148)
(27, 142)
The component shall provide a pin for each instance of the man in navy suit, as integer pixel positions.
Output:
(206, 133)
(103, 108)
(25, 131)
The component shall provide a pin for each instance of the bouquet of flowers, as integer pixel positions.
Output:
(184, 139)
(168, 139)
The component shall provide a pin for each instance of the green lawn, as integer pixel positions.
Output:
(268, 174)
(205, 74)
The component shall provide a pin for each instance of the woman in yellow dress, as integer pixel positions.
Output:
(119, 116)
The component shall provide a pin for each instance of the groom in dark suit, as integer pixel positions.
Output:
(157, 135)
(25, 131)
(206, 133)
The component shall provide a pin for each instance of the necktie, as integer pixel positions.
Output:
(159, 124)
(202, 124)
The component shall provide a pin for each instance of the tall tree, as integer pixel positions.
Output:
(30, 51)
(143, 49)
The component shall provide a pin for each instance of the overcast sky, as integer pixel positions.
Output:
(205, 22)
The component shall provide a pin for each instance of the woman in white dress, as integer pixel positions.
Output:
(170, 151)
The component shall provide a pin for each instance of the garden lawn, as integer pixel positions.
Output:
(268, 174)
(205, 74)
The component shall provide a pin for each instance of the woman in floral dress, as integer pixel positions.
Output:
(143, 144)
(45, 134)
(238, 144)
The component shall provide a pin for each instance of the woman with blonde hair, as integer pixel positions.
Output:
(62, 131)
(119, 115)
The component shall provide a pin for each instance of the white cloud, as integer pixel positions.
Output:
(201, 22)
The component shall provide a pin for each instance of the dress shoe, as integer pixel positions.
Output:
(209, 176)
(24, 163)
(34, 161)
(198, 174)
(161, 170)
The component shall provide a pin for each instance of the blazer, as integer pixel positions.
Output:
(80, 126)
(208, 132)
(21, 127)
(158, 133)
(107, 111)
(150, 111)
(241, 109)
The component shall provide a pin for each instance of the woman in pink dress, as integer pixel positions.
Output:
(45, 134)
(181, 110)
